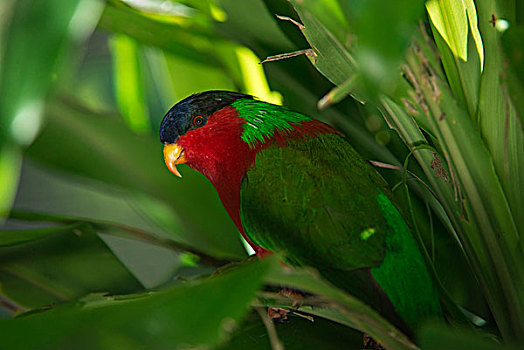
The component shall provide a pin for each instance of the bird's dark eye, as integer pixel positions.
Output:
(198, 121)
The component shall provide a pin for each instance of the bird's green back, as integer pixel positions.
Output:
(319, 203)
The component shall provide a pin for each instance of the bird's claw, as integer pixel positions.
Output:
(278, 315)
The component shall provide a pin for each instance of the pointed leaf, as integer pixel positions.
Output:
(473, 26)
(14, 237)
(449, 17)
(194, 315)
(65, 263)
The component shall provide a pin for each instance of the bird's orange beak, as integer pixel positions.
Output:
(173, 155)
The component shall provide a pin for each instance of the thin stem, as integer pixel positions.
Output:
(276, 344)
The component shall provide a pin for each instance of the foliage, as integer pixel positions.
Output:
(102, 247)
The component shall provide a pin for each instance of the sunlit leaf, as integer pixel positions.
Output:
(9, 169)
(129, 84)
(254, 78)
(473, 26)
(450, 19)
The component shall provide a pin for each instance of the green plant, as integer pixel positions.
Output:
(432, 95)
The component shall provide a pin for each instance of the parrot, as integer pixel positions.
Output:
(294, 185)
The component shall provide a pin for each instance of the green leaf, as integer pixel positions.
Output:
(337, 93)
(330, 14)
(513, 45)
(490, 238)
(199, 314)
(473, 26)
(446, 207)
(330, 57)
(14, 237)
(65, 263)
(129, 83)
(449, 17)
(498, 121)
(10, 161)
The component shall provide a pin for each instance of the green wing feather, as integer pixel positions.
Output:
(319, 203)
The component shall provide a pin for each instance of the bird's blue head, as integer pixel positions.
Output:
(193, 112)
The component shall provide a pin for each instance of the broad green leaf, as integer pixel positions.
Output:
(462, 73)
(47, 195)
(140, 242)
(65, 263)
(199, 314)
(451, 67)
(104, 149)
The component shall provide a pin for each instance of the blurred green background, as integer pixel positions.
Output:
(101, 247)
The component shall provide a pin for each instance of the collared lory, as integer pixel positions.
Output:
(294, 185)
